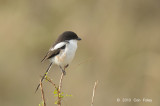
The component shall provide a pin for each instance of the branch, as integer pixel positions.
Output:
(94, 90)
(42, 92)
(49, 80)
(60, 82)
(59, 90)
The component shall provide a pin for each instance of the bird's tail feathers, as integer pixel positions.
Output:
(44, 75)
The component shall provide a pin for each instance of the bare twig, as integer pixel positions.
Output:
(59, 89)
(94, 90)
(58, 92)
(49, 80)
(42, 92)
(60, 82)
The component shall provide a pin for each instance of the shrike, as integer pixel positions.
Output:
(62, 52)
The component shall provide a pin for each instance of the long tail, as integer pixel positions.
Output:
(45, 57)
(44, 75)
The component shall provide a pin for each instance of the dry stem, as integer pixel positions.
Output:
(42, 92)
(59, 90)
(60, 82)
(94, 90)
(49, 80)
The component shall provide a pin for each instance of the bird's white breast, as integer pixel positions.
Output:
(66, 55)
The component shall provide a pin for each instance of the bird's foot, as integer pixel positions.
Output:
(64, 72)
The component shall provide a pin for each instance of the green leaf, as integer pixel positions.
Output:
(41, 104)
(56, 102)
(55, 92)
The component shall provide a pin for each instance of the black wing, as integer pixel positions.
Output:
(53, 53)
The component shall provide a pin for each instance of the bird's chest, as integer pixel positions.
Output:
(67, 55)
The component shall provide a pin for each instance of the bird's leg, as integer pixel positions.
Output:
(66, 66)
(63, 71)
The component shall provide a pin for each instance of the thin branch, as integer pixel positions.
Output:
(49, 80)
(60, 82)
(58, 92)
(94, 90)
(59, 89)
(42, 92)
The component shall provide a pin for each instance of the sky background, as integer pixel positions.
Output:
(120, 48)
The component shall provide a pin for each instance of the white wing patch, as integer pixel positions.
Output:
(59, 45)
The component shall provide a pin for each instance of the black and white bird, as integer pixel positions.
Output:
(62, 52)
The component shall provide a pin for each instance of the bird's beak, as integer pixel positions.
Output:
(79, 38)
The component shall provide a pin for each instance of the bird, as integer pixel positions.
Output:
(61, 52)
